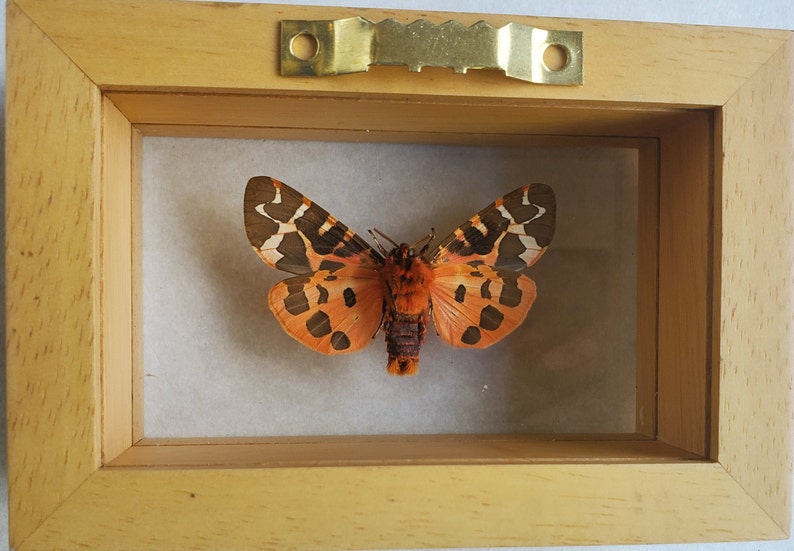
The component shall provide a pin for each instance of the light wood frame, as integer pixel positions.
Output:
(710, 113)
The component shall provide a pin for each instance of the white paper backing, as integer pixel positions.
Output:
(217, 363)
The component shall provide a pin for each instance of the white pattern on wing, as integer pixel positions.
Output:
(269, 248)
(480, 226)
(530, 255)
(327, 226)
(541, 212)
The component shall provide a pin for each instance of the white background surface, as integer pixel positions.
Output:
(745, 13)
(216, 362)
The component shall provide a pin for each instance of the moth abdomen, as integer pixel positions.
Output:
(405, 334)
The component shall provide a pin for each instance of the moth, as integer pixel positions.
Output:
(345, 291)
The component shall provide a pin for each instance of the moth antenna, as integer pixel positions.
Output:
(377, 242)
(384, 236)
(430, 236)
(430, 312)
(382, 317)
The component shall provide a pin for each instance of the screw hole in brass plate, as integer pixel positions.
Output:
(555, 57)
(304, 46)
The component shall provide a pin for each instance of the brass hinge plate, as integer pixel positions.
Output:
(342, 46)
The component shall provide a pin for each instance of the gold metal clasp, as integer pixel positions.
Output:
(342, 46)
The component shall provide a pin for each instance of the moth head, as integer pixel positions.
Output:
(403, 251)
(403, 254)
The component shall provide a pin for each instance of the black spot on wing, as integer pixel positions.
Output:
(323, 295)
(295, 284)
(460, 293)
(296, 303)
(484, 290)
(350, 297)
(471, 335)
(319, 324)
(340, 341)
(491, 318)
(330, 265)
(511, 294)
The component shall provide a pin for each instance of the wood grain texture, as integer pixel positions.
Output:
(565, 132)
(461, 449)
(235, 47)
(116, 284)
(404, 115)
(52, 173)
(757, 308)
(646, 407)
(404, 507)
(685, 267)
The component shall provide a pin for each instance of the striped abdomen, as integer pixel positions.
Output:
(405, 334)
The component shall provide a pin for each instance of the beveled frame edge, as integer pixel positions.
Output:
(755, 307)
(52, 303)
(75, 500)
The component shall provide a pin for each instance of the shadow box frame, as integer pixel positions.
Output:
(709, 111)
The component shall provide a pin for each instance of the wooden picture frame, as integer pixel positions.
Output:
(709, 111)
